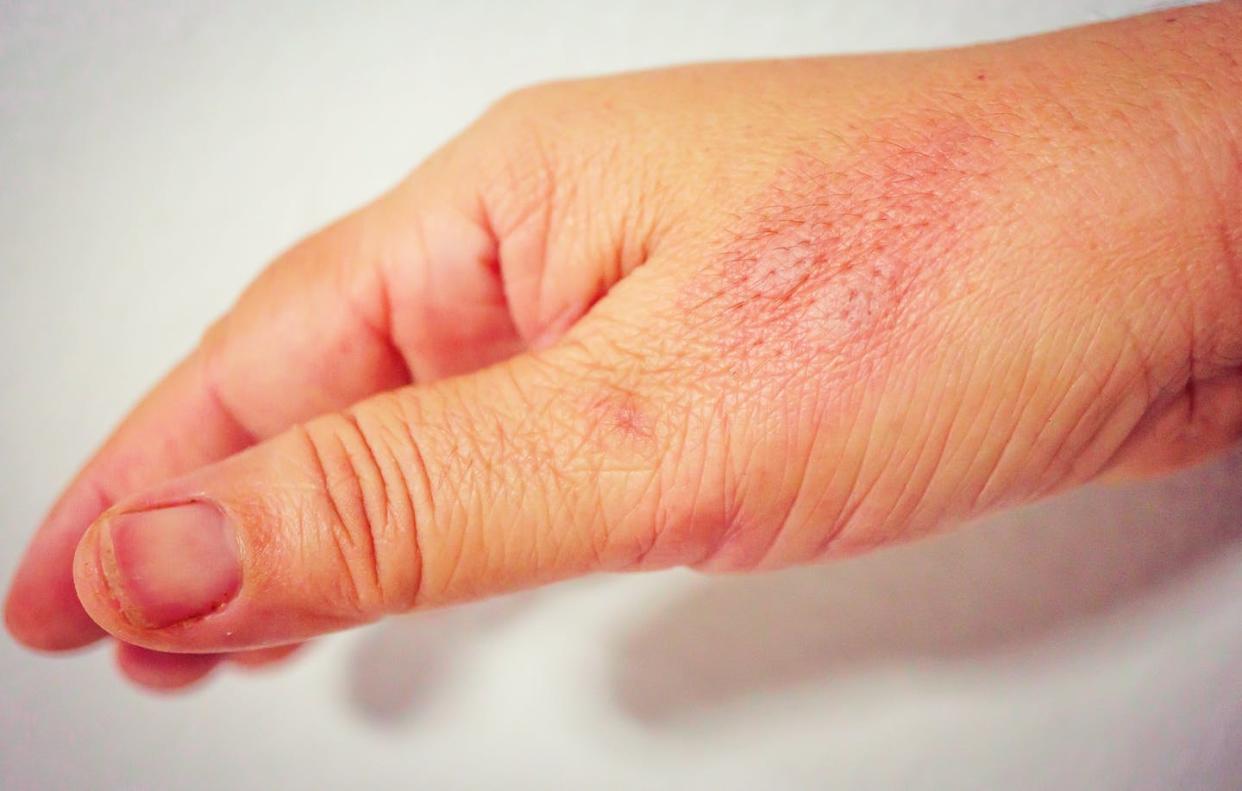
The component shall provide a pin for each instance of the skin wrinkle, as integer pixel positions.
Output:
(516, 267)
(1118, 426)
(453, 565)
(1024, 366)
(492, 259)
(833, 526)
(681, 455)
(640, 507)
(644, 506)
(379, 515)
(397, 592)
(463, 426)
(856, 504)
(985, 461)
(936, 443)
(687, 513)
(981, 499)
(1085, 406)
(531, 450)
(720, 542)
(801, 480)
(600, 538)
(613, 428)
(1055, 482)
(407, 419)
(362, 472)
(1193, 84)
(215, 396)
(898, 520)
(731, 502)
(622, 243)
(338, 531)
(1229, 234)
(734, 524)
(730, 510)
(933, 445)
(376, 324)
(563, 193)
(837, 520)
(416, 344)
(560, 507)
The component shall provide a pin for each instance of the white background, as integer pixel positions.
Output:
(152, 157)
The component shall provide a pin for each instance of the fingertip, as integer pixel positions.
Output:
(161, 672)
(42, 611)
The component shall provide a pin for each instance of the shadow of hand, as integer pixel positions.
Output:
(1017, 578)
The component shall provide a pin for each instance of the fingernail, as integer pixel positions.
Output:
(172, 564)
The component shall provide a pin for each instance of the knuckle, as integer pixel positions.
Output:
(517, 104)
(536, 102)
(526, 121)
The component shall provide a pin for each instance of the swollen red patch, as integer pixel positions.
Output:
(837, 253)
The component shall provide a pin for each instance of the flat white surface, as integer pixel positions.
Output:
(153, 156)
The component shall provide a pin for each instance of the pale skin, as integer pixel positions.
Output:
(733, 316)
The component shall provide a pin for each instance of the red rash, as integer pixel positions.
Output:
(837, 252)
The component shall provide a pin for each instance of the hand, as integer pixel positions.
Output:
(735, 316)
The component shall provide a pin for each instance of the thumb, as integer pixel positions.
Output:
(541, 468)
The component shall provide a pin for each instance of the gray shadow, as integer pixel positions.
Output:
(400, 663)
(998, 585)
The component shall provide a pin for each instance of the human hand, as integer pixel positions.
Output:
(734, 316)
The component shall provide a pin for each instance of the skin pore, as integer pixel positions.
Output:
(733, 316)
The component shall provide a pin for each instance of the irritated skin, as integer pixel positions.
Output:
(734, 316)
